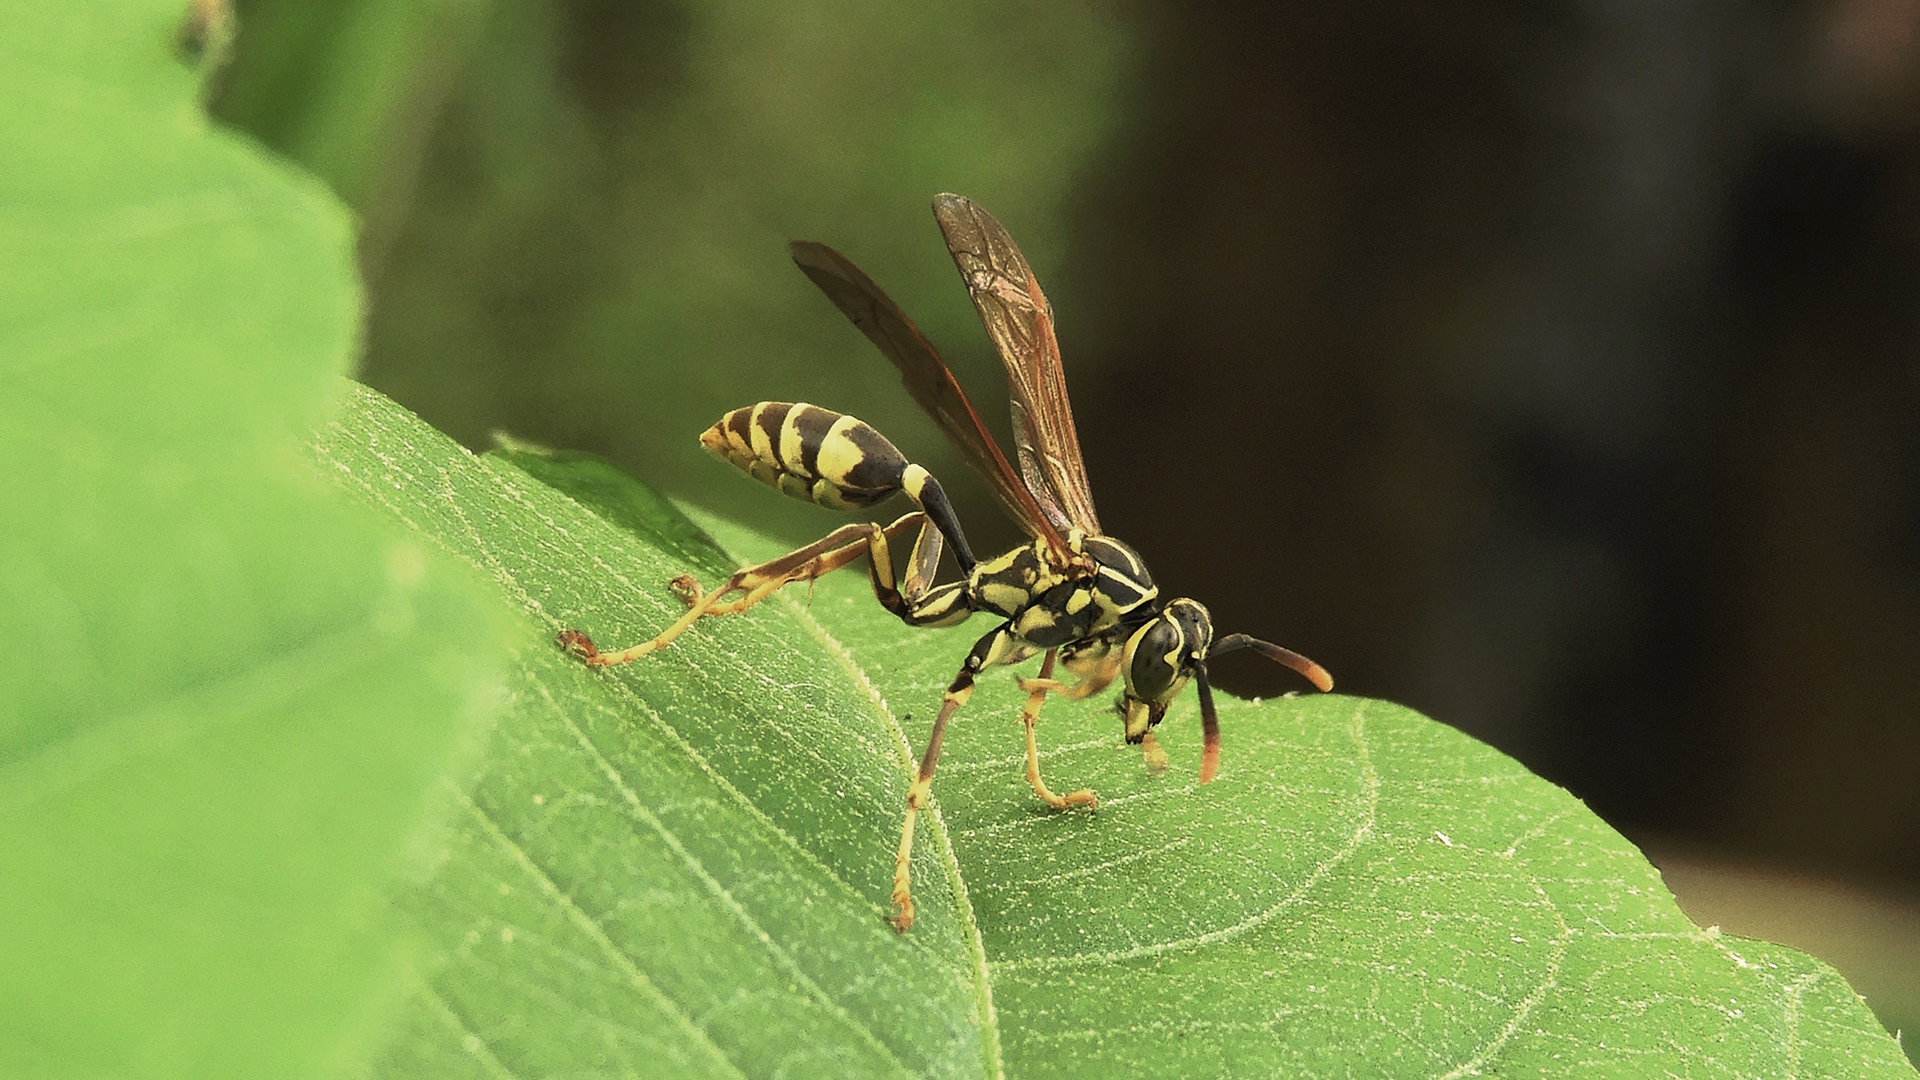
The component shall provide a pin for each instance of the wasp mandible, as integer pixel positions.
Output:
(1081, 597)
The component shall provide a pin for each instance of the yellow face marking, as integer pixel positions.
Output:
(838, 454)
(1172, 659)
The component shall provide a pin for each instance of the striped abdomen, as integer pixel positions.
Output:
(813, 453)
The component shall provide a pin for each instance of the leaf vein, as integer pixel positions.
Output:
(1794, 993)
(1361, 833)
(783, 959)
(977, 949)
(470, 1040)
(1548, 980)
(590, 926)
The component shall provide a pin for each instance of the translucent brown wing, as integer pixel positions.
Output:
(927, 378)
(1020, 322)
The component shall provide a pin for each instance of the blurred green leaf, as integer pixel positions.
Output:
(546, 182)
(225, 692)
(680, 867)
(351, 91)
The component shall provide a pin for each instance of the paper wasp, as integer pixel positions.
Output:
(1074, 593)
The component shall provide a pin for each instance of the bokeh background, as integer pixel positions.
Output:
(1553, 368)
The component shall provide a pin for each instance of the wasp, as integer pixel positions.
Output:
(1079, 596)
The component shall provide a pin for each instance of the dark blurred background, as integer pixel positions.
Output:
(1553, 368)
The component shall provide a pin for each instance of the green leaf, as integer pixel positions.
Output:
(226, 692)
(680, 867)
(642, 880)
(349, 89)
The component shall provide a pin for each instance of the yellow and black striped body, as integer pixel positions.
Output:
(814, 454)
(837, 461)
(1088, 603)
(1084, 600)
(1046, 608)
(831, 459)
(1103, 613)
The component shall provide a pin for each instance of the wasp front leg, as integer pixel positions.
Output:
(1139, 719)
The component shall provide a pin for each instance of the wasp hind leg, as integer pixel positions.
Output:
(752, 584)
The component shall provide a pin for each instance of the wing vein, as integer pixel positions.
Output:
(1018, 318)
(927, 378)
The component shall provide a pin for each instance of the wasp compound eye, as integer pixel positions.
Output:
(1156, 659)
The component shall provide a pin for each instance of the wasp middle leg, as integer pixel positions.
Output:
(1096, 662)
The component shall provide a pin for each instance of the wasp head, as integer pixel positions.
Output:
(1159, 659)
(1161, 656)
(1172, 647)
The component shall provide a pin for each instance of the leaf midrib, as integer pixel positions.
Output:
(781, 957)
(976, 946)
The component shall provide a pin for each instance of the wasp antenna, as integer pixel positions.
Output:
(1311, 671)
(1209, 727)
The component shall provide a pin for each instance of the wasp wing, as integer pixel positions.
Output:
(1020, 322)
(927, 378)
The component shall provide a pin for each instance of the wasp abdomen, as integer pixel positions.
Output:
(831, 459)
(810, 453)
